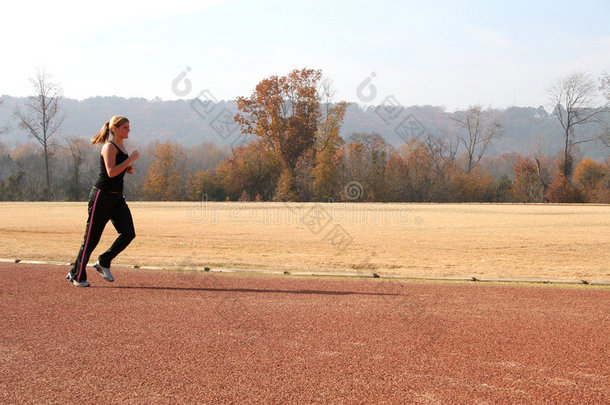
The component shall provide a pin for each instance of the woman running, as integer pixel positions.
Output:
(106, 202)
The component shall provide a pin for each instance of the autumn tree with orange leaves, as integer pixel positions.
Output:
(166, 175)
(527, 186)
(593, 180)
(283, 112)
(328, 159)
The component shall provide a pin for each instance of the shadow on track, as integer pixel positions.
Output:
(249, 290)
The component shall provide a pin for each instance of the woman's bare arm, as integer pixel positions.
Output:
(109, 154)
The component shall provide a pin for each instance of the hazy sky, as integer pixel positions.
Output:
(446, 53)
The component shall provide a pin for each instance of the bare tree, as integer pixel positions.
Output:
(77, 148)
(331, 114)
(481, 130)
(441, 149)
(41, 116)
(572, 98)
(605, 88)
(6, 127)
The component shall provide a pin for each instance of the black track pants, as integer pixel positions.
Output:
(103, 207)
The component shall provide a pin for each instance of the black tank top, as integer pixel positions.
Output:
(113, 184)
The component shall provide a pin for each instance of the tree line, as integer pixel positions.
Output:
(297, 154)
(364, 168)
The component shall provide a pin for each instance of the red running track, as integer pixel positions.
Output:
(156, 337)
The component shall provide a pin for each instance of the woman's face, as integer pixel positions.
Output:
(121, 132)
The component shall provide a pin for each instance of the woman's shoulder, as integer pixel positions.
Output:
(118, 148)
(109, 147)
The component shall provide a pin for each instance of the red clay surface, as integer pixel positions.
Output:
(184, 337)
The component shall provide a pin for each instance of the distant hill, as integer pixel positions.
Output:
(189, 122)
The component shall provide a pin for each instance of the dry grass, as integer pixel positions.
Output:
(406, 239)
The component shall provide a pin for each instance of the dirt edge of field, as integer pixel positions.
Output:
(574, 282)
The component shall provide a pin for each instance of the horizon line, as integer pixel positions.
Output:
(362, 106)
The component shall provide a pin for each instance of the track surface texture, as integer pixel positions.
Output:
(156, 337)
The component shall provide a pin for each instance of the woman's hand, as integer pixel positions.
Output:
(109, 155)
(134, 156)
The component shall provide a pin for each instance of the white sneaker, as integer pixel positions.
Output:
(77, 283)
(104, 271)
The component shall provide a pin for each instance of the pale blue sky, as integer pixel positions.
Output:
(446, 53)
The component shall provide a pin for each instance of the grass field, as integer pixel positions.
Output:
(534, 241)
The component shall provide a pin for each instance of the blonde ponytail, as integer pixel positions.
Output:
(104, 134)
